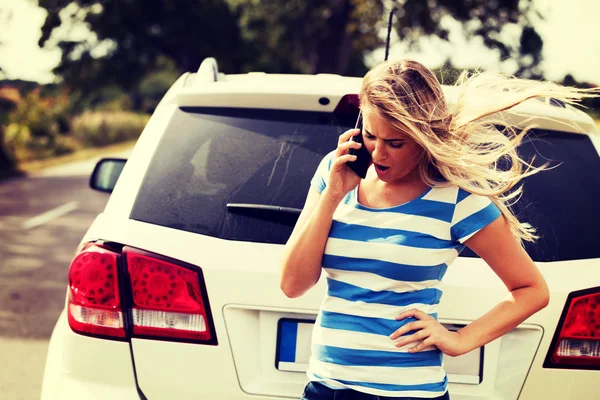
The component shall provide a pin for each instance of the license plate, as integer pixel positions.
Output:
(294, 343)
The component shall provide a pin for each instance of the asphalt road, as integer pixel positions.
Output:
(42, 220)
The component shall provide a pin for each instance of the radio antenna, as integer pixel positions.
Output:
(389, 34)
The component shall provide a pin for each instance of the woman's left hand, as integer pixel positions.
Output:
(431, 332)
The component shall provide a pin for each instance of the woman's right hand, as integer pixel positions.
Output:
(341, 178)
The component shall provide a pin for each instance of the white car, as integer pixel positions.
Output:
(174, 292)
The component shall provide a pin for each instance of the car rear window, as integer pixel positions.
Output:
(211, 157)
(562, 202)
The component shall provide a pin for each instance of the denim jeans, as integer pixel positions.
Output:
(317, 391)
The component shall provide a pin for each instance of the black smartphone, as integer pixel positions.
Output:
(363, 157)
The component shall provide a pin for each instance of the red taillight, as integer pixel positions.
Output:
(94, 305)
(576, 343)
(168, 300)
(163, 299)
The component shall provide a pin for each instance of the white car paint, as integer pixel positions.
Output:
(243, 286)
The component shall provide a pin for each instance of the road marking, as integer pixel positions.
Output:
(50, 215)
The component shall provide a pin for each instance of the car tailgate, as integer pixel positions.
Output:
(248, 307)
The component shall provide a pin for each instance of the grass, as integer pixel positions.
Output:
(80, 155)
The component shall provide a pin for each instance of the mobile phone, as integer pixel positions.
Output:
(363, 157)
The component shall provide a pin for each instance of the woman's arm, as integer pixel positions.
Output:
(301, 261)
(496, 245)
(529, 293)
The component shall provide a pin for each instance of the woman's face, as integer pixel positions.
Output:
(395, 155)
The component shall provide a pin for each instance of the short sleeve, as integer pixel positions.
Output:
(471, 214)
(319, 180)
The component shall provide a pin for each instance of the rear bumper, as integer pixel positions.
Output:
(543, 383)
(81, 368)
(84, 368)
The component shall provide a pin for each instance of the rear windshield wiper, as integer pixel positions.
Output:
(248, 207)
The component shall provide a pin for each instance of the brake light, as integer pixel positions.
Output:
(576, 343)
(168, 300)
(94, 306)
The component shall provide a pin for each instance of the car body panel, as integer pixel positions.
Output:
(242, 281)
(81, 367)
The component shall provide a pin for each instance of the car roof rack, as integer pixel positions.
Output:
(208, 72)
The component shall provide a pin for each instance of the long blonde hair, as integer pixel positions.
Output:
(472, 145)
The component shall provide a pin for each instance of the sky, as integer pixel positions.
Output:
(570, 32)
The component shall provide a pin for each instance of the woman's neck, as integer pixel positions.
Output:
(373, 192)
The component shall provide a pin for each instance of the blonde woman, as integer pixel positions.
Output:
(385, 242)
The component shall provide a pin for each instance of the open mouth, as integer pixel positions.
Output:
(381, 168)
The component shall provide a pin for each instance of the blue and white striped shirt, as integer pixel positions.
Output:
(379, 263)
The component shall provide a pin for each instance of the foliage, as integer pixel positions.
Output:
(139, 34)
(484, 19)
(153, 86)
(309, 36)
(104, 128)
(37, 126)
(37, 121)
(42, 126)
(267, 35)
(7, 161)
(138, 48)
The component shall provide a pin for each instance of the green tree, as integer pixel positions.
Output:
(34, 126)
(270, 35)
(484, 19)
(132, 36)
(333, 35)
(7, 163)
(310, 36)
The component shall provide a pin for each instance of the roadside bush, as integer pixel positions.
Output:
(25, 146)
(101, 128)
(36, 128)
